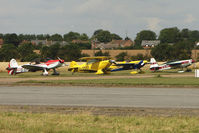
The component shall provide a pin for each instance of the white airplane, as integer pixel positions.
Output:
(170, 65)
(13, 67)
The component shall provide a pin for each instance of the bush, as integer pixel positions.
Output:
(121, 56)
(30, 57)
(140, 57)
(100, 53)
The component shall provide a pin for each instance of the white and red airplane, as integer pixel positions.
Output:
(170, 65)
(13, 67)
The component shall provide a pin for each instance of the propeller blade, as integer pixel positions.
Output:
(112, 61)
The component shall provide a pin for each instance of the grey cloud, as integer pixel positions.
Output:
(85, 16)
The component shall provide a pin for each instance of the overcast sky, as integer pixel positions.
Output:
(86, 16)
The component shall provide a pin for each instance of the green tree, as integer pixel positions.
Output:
(144, 35)
(30, 57)
(121, 56)
(184, 34)
(27, 37)
(169, 35)
(163, 52)
(1, 35)
(11, 39)
(44, 52)
(84, 37)
(25, 50)
(97, 32)
(84, 45)
(104, 36)
(9, 51)
(40, 37)
(69, 37)
(70, 52)
(194, 36)
(183, 50)
(127, 38)
(100, 53)
(115, 37)
(53, 51)
(56, 37)
(82, 55)
(47, 37)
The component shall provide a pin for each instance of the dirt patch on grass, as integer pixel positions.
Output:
(111, 111)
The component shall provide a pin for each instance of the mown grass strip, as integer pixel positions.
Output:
(122, 82)
(86, 123)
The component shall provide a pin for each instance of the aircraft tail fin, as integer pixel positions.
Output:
(141, 64)
(12, 67)
(154, 64)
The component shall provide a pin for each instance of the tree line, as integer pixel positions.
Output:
(101, 35)
(174, 44)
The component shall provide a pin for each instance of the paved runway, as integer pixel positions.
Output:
(100, 96)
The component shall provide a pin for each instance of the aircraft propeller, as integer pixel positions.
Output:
(62, 61)
(112, 61)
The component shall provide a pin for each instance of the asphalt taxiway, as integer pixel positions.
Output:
(100, 96)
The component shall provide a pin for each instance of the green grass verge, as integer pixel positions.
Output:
(187, 81)
(63, 74)
(86, 123)
(69, 74)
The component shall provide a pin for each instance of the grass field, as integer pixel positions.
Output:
(86, 123)
(155, 81)
(122, 78)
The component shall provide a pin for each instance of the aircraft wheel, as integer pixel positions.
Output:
(55, 73)
(188, 70)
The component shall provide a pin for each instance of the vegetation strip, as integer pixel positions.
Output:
(85, 121)
(162, 81)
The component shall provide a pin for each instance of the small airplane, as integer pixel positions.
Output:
(99, 64)
(128, 66)
(170, 65)
(13, 67)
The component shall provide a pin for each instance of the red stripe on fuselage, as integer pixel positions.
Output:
(185, 62)
(51, 62)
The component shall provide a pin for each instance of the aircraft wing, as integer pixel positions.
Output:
(129, 65)
(124, 66)
(174, 64)
(33, 68)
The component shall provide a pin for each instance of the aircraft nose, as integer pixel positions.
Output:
(112, 61)
(193, 61)
(61, 61)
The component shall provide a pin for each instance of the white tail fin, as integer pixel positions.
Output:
(13, 63)
(153, 63)
(12, 67)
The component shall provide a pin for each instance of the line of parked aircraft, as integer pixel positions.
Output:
(99, 65)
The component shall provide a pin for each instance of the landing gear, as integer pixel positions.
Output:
(188, 70)
(55, 72)
(45, 72)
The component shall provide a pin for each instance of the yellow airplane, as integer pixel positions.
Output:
(99, 64)
(128, 66)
